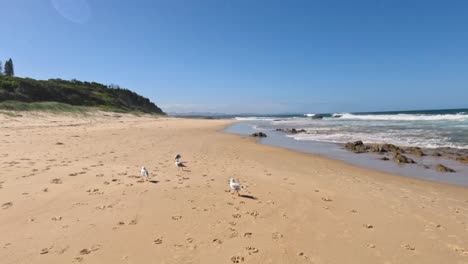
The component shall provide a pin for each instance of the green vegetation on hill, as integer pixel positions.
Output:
(57, 94)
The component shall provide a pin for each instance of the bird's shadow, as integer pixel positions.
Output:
(248, 196)
(154, 181)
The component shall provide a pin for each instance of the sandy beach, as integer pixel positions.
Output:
(71, 192)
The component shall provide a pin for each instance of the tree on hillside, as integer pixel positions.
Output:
(1, 71)
(9, 69)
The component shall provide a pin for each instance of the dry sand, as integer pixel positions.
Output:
(70, 191)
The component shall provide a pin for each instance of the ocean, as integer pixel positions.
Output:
(431, 130)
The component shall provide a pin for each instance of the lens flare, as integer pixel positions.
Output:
(77, 11)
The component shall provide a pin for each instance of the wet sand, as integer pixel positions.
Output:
(70, 191)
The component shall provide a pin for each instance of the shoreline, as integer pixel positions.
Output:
(83, 200)
(424, 167)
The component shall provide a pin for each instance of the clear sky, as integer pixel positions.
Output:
(237, 56)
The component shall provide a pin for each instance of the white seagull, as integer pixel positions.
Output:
(235, 186)
(144, 173)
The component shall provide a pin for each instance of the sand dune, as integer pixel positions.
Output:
(71, 192)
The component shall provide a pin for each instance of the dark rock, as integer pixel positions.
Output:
(399, 158)
(416, 151)
(443, 168)
(384, 158)
(317, 117)
(337, 116)
(259, 134)
(356, 147)
(295, 131)
(463, 159)
(389, 148)
(436, 154)
(377, 148)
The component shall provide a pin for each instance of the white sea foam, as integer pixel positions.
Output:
(379, 138)
(404, 117)
(254, 118)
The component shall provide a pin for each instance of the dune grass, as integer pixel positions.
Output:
(53, 107)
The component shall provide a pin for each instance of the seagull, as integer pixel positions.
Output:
(179, 164)
(235, 186)
(178, 156)
(144, 173)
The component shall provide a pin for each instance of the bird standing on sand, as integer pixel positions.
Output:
(235, 186)
(179, 164)
(144, 173)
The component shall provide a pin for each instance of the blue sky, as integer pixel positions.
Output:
(237, 56)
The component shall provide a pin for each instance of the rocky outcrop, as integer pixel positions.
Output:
(259, 134)
(416, 151)
(356, 147)
(297, 131)
(400, 158)
(443, 168)
(317, 117)
(462, 159)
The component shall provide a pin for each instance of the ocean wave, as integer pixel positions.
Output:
(404, 117)
(377, 138)
(255, 118)
(309, 115)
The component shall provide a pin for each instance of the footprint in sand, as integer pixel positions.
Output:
(44, 251)
(367, 226)
(236, 215)
(237, 259)
(57, 218)
(253, 213)
(252, 250)
(326, 199)
(176, 217)
(7, 205)
(217, 241)
(158, 241)
(63, 250)
(56, 181)
(86, 251)
(276, 235)
(408, 247)
(248, 234)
